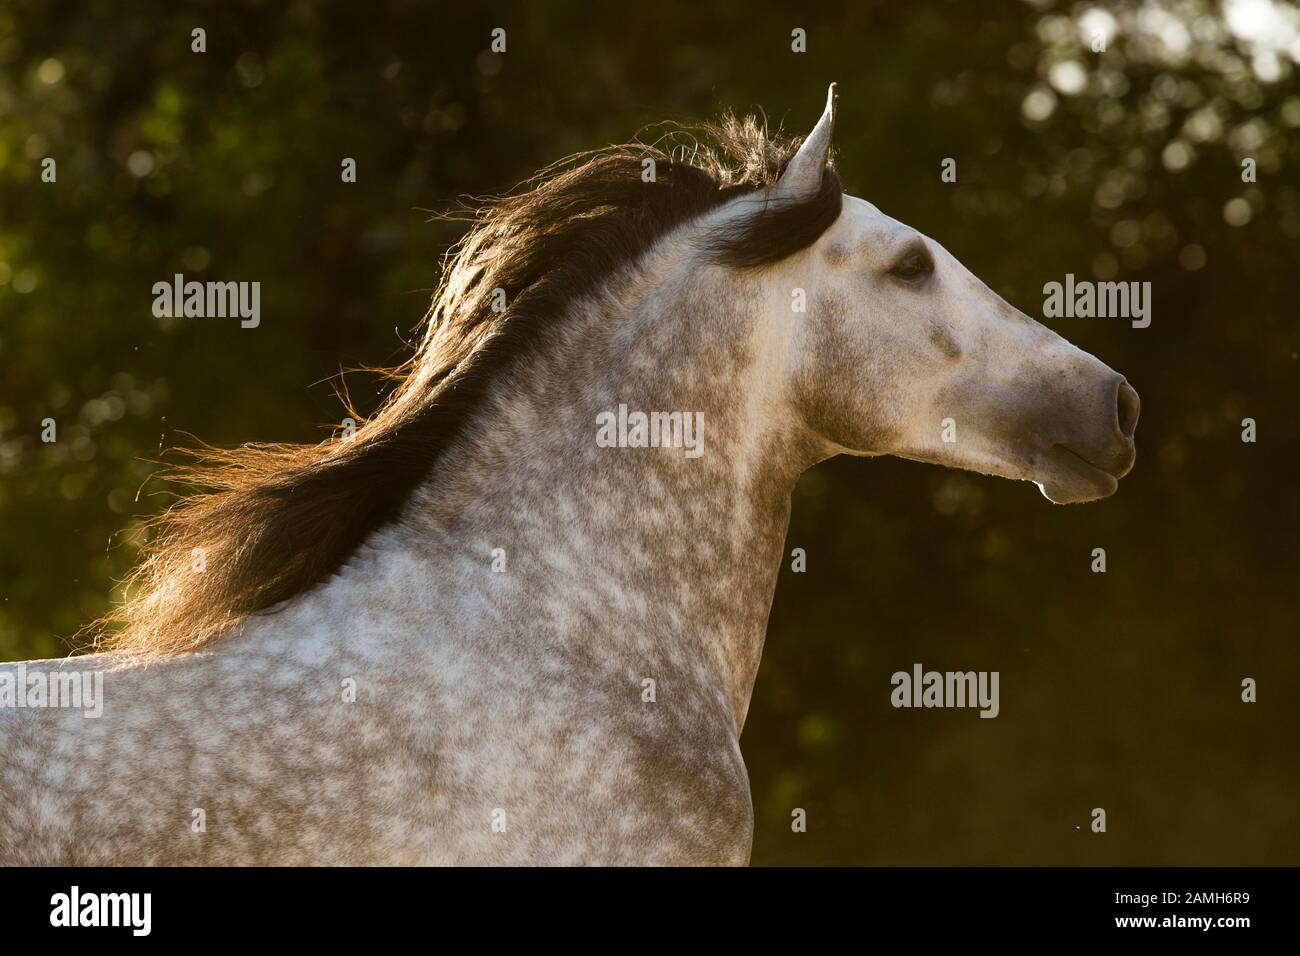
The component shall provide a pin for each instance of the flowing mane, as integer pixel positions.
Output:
(272, 520)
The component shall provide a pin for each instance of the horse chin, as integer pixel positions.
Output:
(1075, 480)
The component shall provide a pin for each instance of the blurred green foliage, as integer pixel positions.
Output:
(1118, 690)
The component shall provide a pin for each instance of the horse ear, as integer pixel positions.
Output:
(803, 175)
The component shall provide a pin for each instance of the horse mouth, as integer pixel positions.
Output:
(1075, 479)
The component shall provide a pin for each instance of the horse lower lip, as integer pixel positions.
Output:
(1080, 458)
(1072, 478)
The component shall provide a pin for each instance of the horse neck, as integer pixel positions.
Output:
(654, 561)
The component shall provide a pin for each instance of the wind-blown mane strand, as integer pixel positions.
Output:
(270, 521)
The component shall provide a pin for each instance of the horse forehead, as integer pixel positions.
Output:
(862, 228)
(859, 220)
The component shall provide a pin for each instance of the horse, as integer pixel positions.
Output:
(516, 616)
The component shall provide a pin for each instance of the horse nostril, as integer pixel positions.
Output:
(1129, 405)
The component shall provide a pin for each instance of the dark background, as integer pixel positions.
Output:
(1118, 690)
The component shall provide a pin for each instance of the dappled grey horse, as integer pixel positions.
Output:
(517, 616)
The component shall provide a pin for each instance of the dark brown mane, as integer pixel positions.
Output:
(270, 521)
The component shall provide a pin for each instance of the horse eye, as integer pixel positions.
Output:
(915, 265)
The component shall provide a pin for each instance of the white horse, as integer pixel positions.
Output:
(508, 621)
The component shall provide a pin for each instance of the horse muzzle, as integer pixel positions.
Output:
(1091, 448)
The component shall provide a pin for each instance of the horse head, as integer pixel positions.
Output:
(888, 345)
